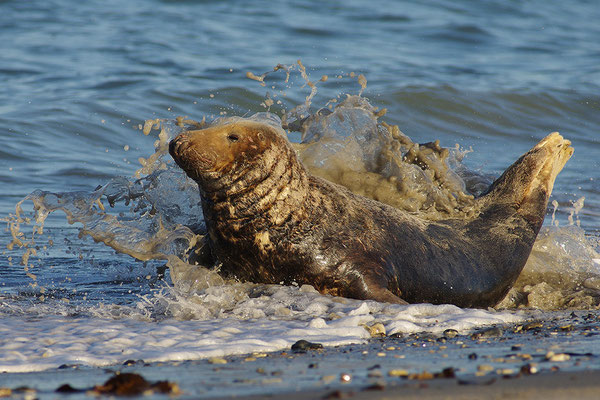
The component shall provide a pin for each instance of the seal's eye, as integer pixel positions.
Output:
(233, 137)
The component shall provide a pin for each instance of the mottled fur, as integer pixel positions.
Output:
(270, 221)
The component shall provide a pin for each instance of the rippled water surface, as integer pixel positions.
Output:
(78, 80)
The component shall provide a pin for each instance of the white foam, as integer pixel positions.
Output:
(42, 343)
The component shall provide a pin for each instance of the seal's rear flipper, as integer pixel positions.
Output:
(527, 183)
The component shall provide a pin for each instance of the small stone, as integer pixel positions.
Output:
(529, 369)
(446, 373)
(486, 333)
(450, 333)
(376, 330)
(398, 373)
(249, 359)
(327, 378)
(376, 386)
(505, 371)
(217, 360)
(67, 366)
(485, 368)
(166, 387)
(301, 346)
(422, 376)
(381, 354)
(127, 384)
(560, 357)
(567, 328)
(5, 392)
(66, 388)
(533, 325)
(473, 356)
(516, 347)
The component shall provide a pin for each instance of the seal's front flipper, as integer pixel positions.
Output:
(383, 295)
(201, 254)
(528, 183)
(369, 286)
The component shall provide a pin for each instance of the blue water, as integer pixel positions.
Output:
(77, 78)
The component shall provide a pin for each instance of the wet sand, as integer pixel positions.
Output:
(559, 385)
(554, 358)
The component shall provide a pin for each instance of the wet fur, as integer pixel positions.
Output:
(270, 221)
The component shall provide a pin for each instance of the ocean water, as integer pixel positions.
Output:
(84, 283)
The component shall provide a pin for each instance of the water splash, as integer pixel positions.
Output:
(563, 270)
(157, 214)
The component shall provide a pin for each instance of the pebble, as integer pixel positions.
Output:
(560, 357)
(66, 388)
(505, 371)
(533, 325)
(130, 384)
(485, 368)
(376, 330)
(450, 333)
(529, 369)
(304, 345)
(375, 374)
(217, 360)
(567, 328)
(422, 376)
(486, 333)
(398, 373)
(446, 373)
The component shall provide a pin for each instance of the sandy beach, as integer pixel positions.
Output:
(551, 359)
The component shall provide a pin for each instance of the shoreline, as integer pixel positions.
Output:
(555, 358)
(549, 385)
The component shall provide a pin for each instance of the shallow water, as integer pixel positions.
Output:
(79, 81)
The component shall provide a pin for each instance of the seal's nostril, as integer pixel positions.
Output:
(177, 145)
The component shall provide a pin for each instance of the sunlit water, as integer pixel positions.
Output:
(488, 80)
